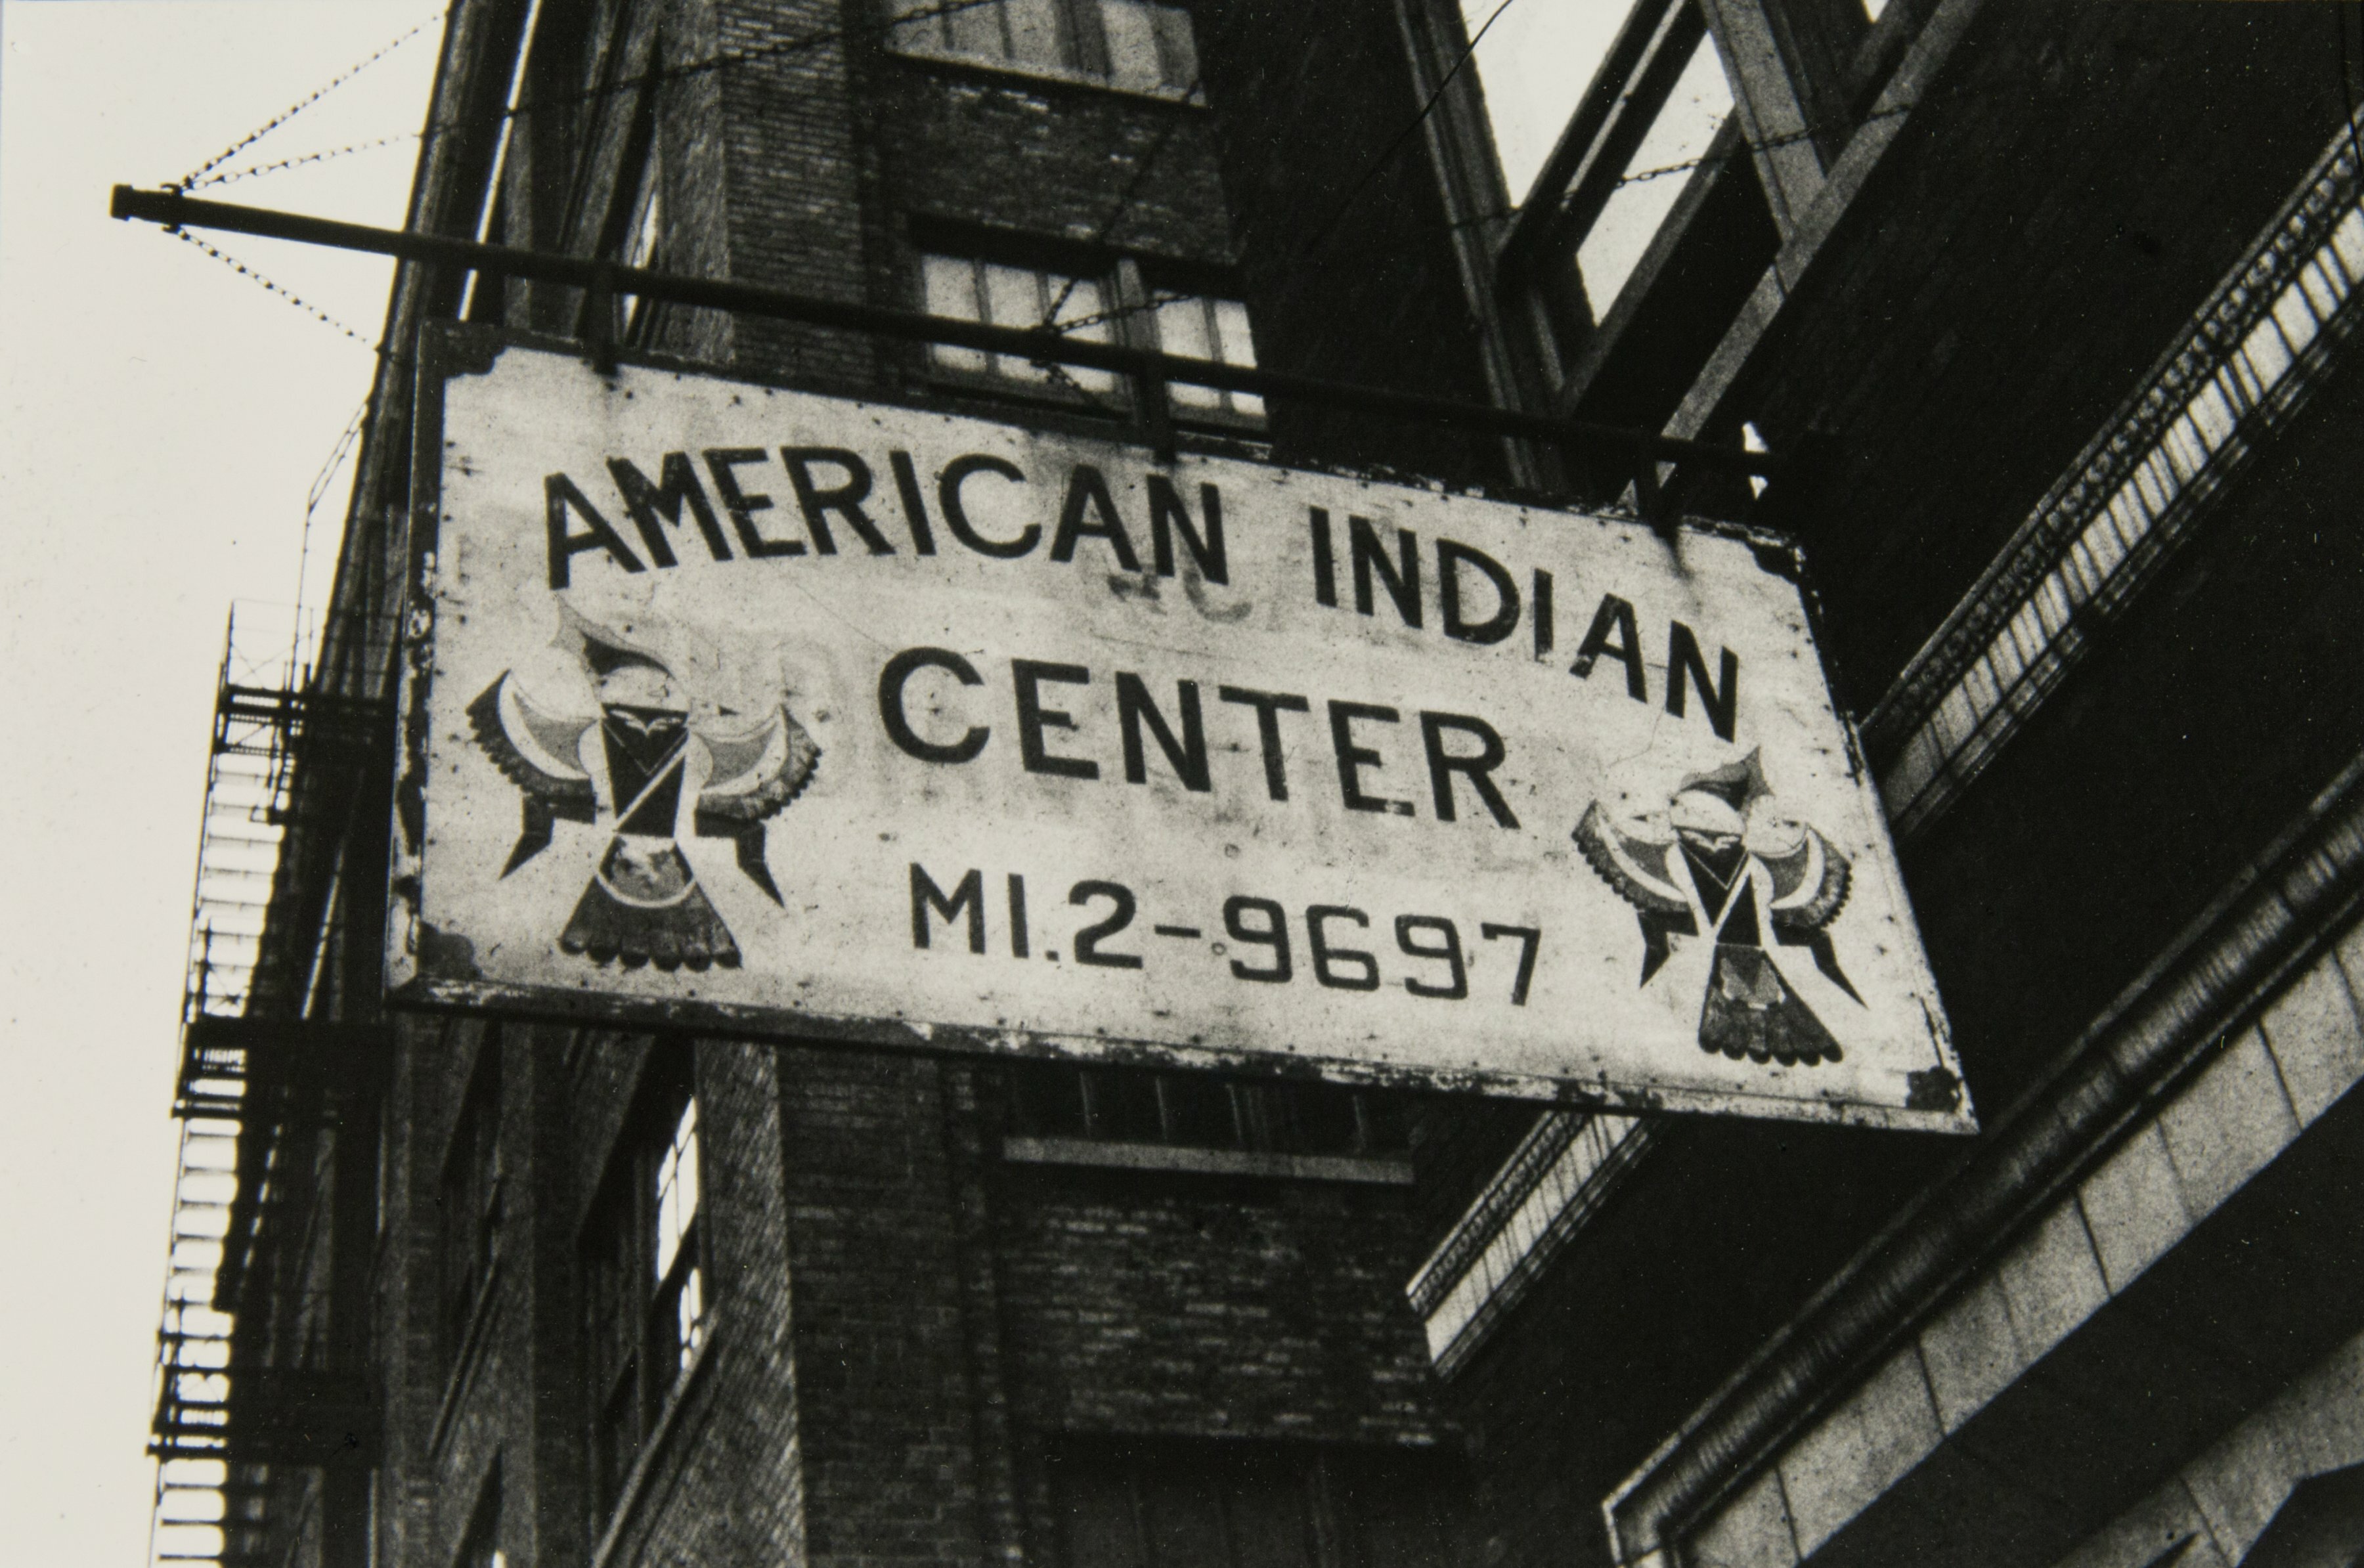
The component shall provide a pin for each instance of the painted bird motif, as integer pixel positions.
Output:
(654, 771)
(1735, 870)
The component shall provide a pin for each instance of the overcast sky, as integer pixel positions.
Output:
(164, 420)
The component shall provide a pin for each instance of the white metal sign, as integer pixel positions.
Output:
(741, 706)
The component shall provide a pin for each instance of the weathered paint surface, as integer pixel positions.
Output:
(857, 721)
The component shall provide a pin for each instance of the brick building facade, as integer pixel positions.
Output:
(2052, 308)
(623, 1297)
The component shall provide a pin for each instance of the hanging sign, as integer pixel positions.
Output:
(748, 708)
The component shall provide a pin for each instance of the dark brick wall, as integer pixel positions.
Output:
(980, 155)
(882, 1371)
(441, 1431)
(726, 1480)
(696, 158)
(544, 1518)
(2087, 176)
(1723, 1230)
(2077, 185)
(1195, 1307)
(2200, 728)
(1064, 159)
(789, 122)
(1200, 1306)
(953, 1318)
(1348, 260)
(2060, 205)
(903, 1327)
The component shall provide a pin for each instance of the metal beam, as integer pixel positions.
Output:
(174, 210)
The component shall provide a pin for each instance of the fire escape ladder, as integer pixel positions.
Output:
(236, 1393)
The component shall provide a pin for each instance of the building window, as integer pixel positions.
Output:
(1196, 327)
(1132, 44)
(1119, 1503)
(1023, 297)
(468, 1195)
(641, 244)
(1651, 185)
(481, 1546)
(1113, 307)
(1199, 1110)
(646, 1298)
(1685, 121)
(680, 1307)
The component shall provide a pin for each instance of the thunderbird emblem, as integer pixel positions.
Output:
(616, 726)
(1722, 861)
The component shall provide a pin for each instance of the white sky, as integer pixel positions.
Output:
(162, 420)
(1535, 62)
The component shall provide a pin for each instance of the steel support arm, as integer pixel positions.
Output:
(174, 210)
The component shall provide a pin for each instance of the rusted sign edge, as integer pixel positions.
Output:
(453, 349)
(1944, 1107)
(441, 355)
(1938, 1101)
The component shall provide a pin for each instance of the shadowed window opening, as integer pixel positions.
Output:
(1199, 1110)
(1132, 44)
(646, 1298)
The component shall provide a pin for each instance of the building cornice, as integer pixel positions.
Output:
(2248, 363)
(2271, 920)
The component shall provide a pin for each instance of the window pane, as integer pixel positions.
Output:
(1231, 325)
(1049, 1099)
(1179, 50)
(1686, 122)
(1013, 297)
(976, 29)
(1184, 328)
(615, 1441)
(1321, 1118)
(1238, 349)
(1184, 1521)
(690, 1324)
(925, 28)
(1269, 1524)
(641, 237)
(1093, 1503)
(676, 1189)
(1198, 1111)
(950, 284)
(641, 246)
(1083, 315)
(1131, 30)
(685, 1143)
(1023, 298)
(1079, 309)
(607, 1314)
(668, 1219)
(1123, 1102)
(1399, 1511)
(1034, 32)
(1383, 1129)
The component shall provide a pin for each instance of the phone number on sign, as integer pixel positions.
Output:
(1258, 937)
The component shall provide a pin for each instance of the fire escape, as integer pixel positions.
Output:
(259, 1384)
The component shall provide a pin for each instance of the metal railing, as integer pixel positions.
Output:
(1150, 372)
(198, 1505)
(2242, 368)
